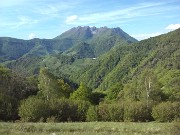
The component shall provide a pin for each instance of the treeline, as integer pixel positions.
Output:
(46, 98)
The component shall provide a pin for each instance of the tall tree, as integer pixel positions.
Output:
(82, 93)
(113, 92)
(51, 87)
(150, 86)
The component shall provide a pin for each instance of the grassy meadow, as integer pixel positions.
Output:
(90, 128)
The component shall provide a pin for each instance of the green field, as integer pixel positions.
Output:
(90, 128)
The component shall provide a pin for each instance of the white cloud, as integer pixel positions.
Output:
(56, 9)
(119, 15)
(71, 19)
(24, 20)
(145, 35)
(49, 10)
(31, 36)
(173, 26)
(18, 22)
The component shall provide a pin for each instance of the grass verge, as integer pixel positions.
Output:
(90, 128)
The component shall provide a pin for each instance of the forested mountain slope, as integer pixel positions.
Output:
(123, 63)
(78, 42)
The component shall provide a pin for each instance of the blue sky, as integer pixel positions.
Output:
(26, 19)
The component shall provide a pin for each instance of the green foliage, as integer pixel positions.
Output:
(82, 50)
(79, 42)
(14, 88)
(150, 85)
(144, 88)
(51, 87)
(166, 111)
(33, 110)
(111, 112)
(116, 112)
(36, 109)
(8, 108)
(103, 112)
(137, 111)
(172, 81)
(12, 48)
(82, 93)
(83, 107)
(130, 92)
(92, 114)
(64, 88)
(114, 91)
(27, 65)
(97, 97)
(63, 110)
(148, 71)
(123, 63)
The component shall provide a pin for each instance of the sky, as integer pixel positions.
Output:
(27, 19)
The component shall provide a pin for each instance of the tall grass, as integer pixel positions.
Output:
(89, 128)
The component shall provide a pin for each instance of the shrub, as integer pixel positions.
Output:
(111, 112)
(92, 114)
(103, 112)
(137, 111)
(33, 110)
(83, 107)
(51, 119)
(116, 112)
(166, 111)
(8, 108)
(63, 110)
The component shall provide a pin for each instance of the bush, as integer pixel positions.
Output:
(63, 110)
(103, 112)
(166, 111)
(92, 114)
(33, 110)
(8, 108)
(111, 112)
(137, 111)
(83, 107)
(116, 112)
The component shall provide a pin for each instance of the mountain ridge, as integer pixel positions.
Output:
(42, 47)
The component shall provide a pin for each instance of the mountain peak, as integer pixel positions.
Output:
(77, 33)
(83, 33)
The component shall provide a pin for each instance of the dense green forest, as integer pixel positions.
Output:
(90, 74)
